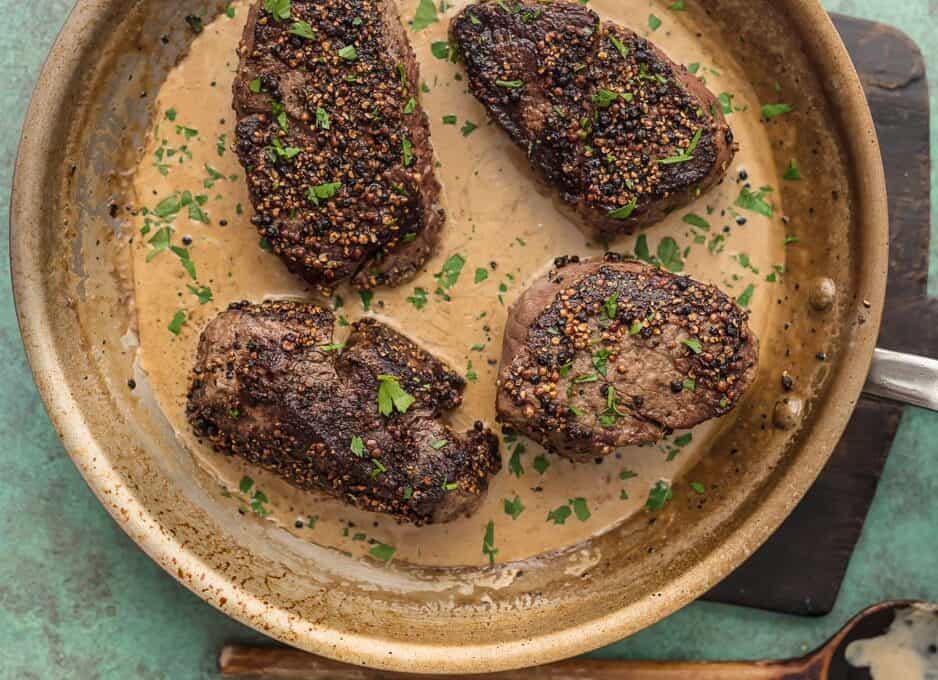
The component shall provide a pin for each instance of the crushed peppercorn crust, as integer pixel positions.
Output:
(335, 143)
(271, 386)
(623, 132)
(600, 355)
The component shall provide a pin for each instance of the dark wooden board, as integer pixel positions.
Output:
(797, 571)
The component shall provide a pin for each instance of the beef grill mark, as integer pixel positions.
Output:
(339, 112)
(270, 386)
(599, 355)
(602, 113)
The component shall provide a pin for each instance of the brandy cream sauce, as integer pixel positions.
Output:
(496, 212)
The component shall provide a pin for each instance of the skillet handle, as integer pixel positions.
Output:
(283, 663)
(905, 378)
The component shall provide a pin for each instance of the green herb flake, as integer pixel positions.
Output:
(755, 201)
(659, 495)
(678, 6)
(382, 552)
(357, 446)
(450, 486)
(488, 542)
(581, 509)
(245, 484)
(770, 111)
(514, 463)
(303, 29)
(349, 53)
(407, 152)
(698, 488)
(450, 119)
(321, 192)
(693, 345)
(171, 115)
(696, 221)
(559, 515)
(654, 23)
(203, 293)
(625, 211)
(627, 474)
(366, 297)
(280, 9)
(611, 305)
(439, 444)
(425, 15)
(449, 273)
(669, 254)
(378, 468)
(622, 49)
(541, 464)
(792, 173)
(481, 275)
(468, 128)
(392, 396)
(179, 320)
(514, 507)
(255, 86)
(603, 98)
(410, 106)
(746, 296)
(510, 84)
(641, 249)
(419, 298)
(440, 49)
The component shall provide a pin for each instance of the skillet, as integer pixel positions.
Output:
(88, 117)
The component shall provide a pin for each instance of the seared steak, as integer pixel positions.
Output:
(335, 143)
(623, 132)
(599, 355)
(362, 423)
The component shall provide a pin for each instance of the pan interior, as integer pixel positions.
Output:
(98, 301)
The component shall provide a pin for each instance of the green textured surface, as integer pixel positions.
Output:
(79, 600)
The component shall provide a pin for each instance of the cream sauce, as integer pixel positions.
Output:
(496, 212)
(907, 651)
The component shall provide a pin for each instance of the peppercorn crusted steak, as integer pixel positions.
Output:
(362, 423)
(599, 355)
(335, 143)
(624, 133)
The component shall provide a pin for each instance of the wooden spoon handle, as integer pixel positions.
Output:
(282, 663)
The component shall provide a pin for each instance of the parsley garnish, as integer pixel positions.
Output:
(623, 50)
(559, 515)
(440, 49)
(204, 293)
(425, 15)
(510, 84)
(382, 552)
(693, 345)
(611, 305)
(481, 275)
(687, 154)
(659, 495)
(654, 23)
(793, 173)
(468, 128)
(438, 444)
(625, 211)
(407, 152)
(419, 298)
(581, 509)
(541, 464)
(349, 53)
(303, 29)
(514, 463)
(322, 191)
(669, 254)
(391, 396)
(279, 8)
(179, 320)
(488, 542)
(357, 446)
(746, 296)
(603, 98)
(696, 221)
(755, 201)
(774, 110)
(513, 508)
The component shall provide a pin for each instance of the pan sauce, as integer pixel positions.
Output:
(495, 213)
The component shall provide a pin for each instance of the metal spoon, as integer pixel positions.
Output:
(828, 662)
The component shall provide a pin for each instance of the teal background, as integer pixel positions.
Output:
(79, 600)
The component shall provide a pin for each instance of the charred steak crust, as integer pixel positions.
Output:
(270, 386)
(623, 132)
(335, 142)
(599, 355)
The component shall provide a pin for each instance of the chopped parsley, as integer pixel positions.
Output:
(321, 192)
(488, 542)
(559, 515)
(611, 306)
(659, 495)
(622, 49)
(322, 118)
(755, 201)
(366, 297)
(279, 8)
(440, 49)
(448, 275)
(669, 254)
(378, 468)
(581, 509)
(419, 298)
(654, 23)
(178, 321)
(449, 119)
(438, 444)
(513, 508)
(410, 105)
(349, 53)
(468, 128)
(510, 84)
(726, 102)
(303, 29)
(203, 293)
(514, 463)
(625, 211)
(687, 154)
(407, 152)
(746, 296)
(392, 396)
(793, 173)
(698, 487)
(770, 111)
(357, 446)
(696, 221)
(481, 275)
(450, 486)
(603, 98)
(693, 345)
(425, 15)
(382, 552)
(541, 464)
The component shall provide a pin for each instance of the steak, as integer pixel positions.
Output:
(624, 133)
(335, 142)
(362, 423)
(599, 355)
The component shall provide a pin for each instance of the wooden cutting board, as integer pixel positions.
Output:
(795, 572)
